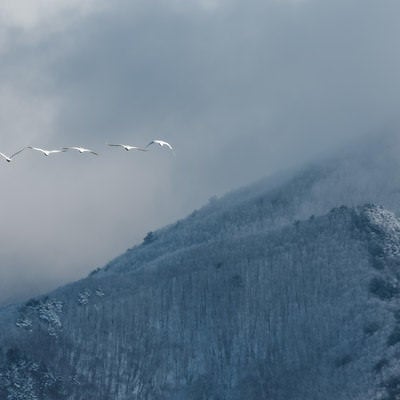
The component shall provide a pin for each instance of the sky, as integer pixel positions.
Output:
(240, 89)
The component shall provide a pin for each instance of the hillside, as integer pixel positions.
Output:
(285, 290)
(310, 311)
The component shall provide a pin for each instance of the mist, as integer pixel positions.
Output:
(242, 91)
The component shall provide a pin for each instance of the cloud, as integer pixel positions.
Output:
(242, 89)
(30, 14)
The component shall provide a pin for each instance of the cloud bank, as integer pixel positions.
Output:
(242, 89)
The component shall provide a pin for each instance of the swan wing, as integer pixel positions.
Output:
(152, 142)
(17, 152)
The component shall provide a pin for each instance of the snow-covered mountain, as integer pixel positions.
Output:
(285, 290)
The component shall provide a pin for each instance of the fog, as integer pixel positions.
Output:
(241, 89)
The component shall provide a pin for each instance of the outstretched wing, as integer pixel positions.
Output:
(19, 151)
(4, 156)
(37, 149)
(152, 142)
(166, 144)
(137, 148)
(70, 148)
(57, 151)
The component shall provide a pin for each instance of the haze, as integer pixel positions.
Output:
(241, 89)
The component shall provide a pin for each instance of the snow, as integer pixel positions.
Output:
(285, 290)
(83, 297)
(25, 323)
(387, 223)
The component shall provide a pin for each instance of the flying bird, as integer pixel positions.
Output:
(160, 143)
(127, 147)
(9, 158)
(80, 149)
(46, 152)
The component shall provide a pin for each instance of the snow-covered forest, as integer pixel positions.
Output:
(285, 290)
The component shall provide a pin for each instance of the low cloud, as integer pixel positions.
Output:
(241, 89)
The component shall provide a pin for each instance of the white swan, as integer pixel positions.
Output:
(10, 158)
(127, 147)
(80, 149)
(160, 143)
(46, 152)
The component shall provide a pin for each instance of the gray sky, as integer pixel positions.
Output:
(241, 88)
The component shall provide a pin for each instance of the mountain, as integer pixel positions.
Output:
(285, 290)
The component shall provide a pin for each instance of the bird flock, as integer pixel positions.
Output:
(82, 150)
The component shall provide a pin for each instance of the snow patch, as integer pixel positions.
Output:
(386, 224)
(24, 323)
(49, 312)
(83, 297)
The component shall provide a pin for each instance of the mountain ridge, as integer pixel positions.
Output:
(287, 290)
(236, 285)
(280, 200)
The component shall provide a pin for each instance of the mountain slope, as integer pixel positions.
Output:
(267, 293)
(308, 311)
(368, 173)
